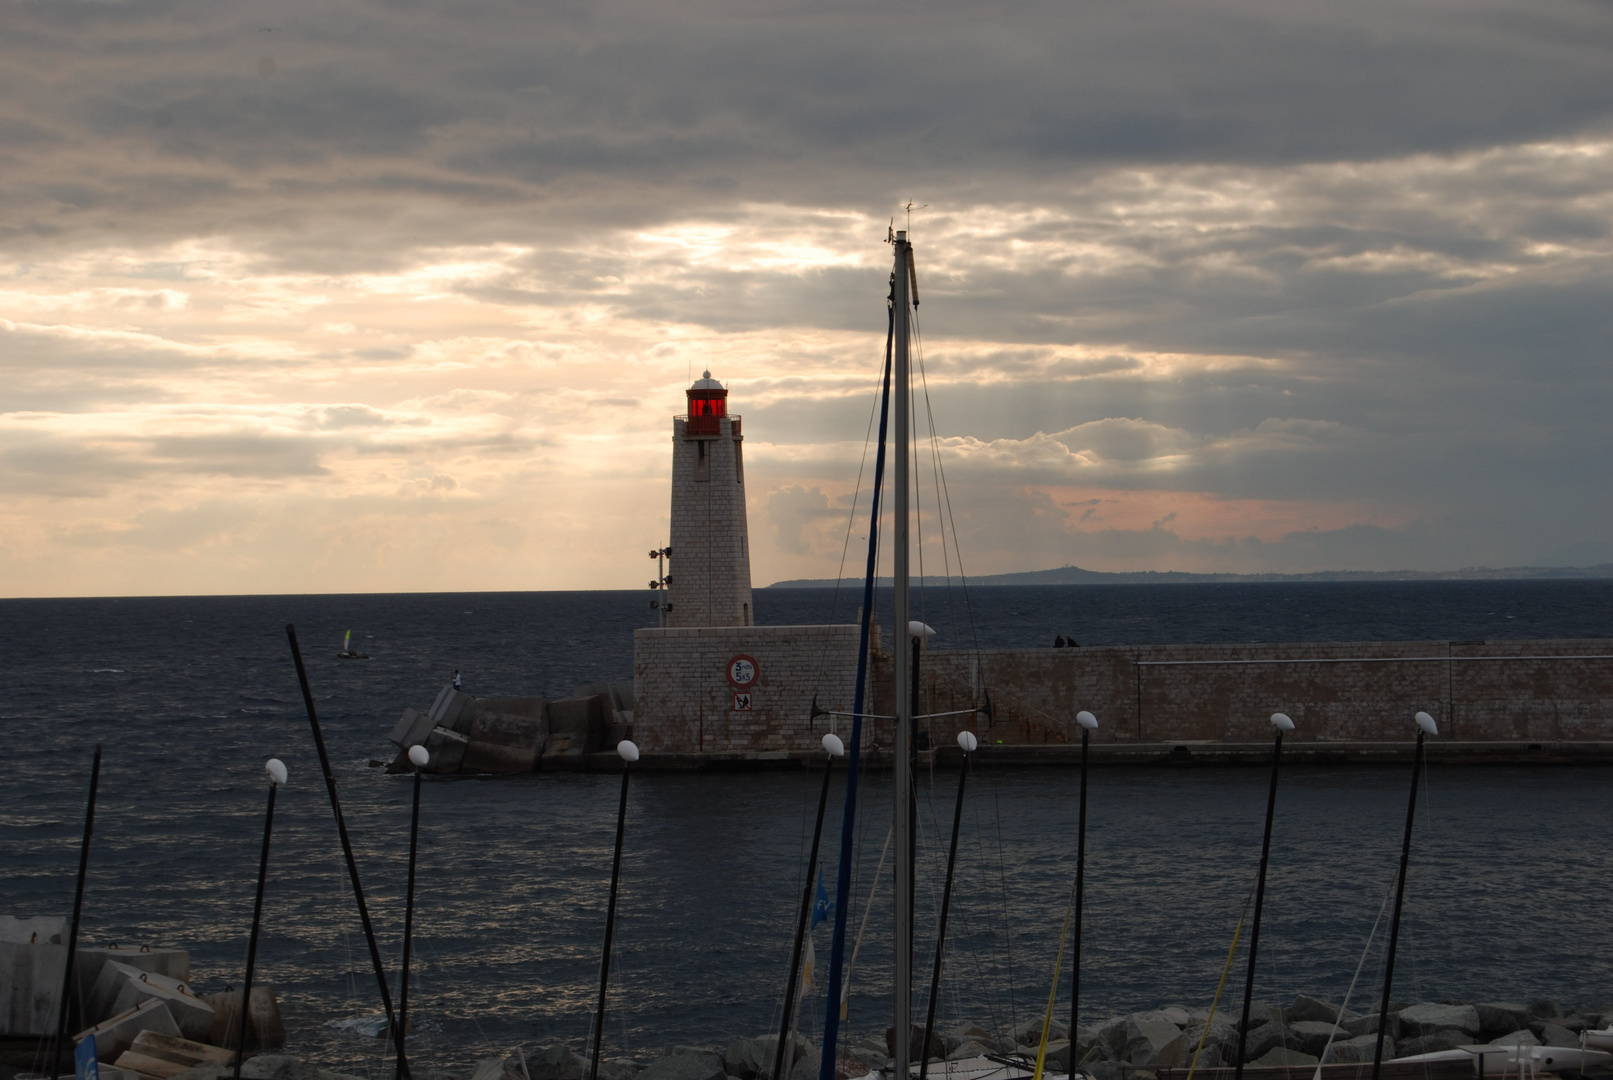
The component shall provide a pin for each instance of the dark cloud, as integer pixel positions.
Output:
(1309, 251)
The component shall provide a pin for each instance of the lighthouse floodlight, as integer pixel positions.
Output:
(627, 750)
(1281, 722)
(1426, 722)
(419, 756)
(276, 770)
(920, 630)
(967, 740)
(1087, 720)
(832, 743)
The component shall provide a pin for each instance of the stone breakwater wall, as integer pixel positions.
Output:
(1483, 691)
(1158, 1043)
(1518, 694)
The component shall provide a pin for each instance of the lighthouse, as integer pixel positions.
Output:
(709, 681)
(709, 584)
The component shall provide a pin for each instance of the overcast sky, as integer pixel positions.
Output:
(340, 296)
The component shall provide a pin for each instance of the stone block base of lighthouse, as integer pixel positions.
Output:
(745, 691)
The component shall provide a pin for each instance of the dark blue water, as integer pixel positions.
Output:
(190, 695)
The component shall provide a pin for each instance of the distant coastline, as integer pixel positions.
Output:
(1075, 575)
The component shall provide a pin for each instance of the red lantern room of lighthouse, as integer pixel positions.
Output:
(708, 404)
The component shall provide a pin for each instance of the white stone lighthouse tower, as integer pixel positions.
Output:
(709, 582)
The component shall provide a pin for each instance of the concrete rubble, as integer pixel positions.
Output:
(466, 734)
(146, 1019)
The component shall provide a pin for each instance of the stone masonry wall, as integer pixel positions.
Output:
(710, 565)
(1363, 691)
(685, 704)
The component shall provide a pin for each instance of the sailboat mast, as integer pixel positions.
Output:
(902, 707)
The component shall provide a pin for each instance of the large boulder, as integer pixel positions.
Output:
(1449, 1039)
(1265, 1038)
(1502, 1016)
(1112, 1034)
(1516, 1038)
(1261, 1012)
(554, 1063)
(1544, 1009)
(916, 1050)
(752, 1058)
(1284, 1056)
(619, 1069)
(686, 1067)
(1220, 1043)
(1308, 1008)
(1359, 1049)
(1420, 1020)
(1175, 1054)
(1058, 1056)
(1180, 1051)
(1367, 1024)
(1557, 1035)
(968, 1031)
(1029, 1032)
(1144, 1040)
(970, 1049)
(1312, 1035)
(1090, 1045)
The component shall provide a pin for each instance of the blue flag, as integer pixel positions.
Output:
(85, 1066)
(822, 906)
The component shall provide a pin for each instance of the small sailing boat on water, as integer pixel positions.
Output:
(347, 652)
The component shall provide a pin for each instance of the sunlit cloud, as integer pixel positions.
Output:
(403, 299)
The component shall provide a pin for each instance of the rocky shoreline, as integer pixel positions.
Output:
(1132, 1047)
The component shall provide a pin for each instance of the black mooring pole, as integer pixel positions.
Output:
(836, 748)
(1282, 723)
(78, 912)
(341, 831)
(418, 756)
(1425, 727)
(1089, 724)
(967, 742)
(629, 754)
(277, 776)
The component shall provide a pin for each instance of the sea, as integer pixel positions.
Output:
(1507, 897)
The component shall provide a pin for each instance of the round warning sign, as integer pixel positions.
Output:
(743, 672)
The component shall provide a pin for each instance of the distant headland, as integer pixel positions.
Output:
(1075, 575)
